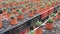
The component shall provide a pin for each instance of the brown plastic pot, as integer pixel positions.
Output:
(7, 5)
(20, 17)
(1, 6)
(49, 26)
(38, 31)
(4, 11)
(58, 16)
(13, 21)
(31, 14)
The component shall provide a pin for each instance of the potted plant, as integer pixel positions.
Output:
(13, 3)
(58, 12)
(52, 15)
(36, 11)
(8, 14)
(13, 20)
(31, 13)
(7, 5)
(49, 24)
(20, 16)
(4, 10)
(24, 7)
(13, 8)
(40, 29)
(42, 7)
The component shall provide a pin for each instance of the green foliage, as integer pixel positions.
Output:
(31, 32)
(50, 20)
(39, 23)
(19, 11)
(23, 6)
(31, 10)
(8, 11)
(53, 14)
(4, 8)
(12, 16)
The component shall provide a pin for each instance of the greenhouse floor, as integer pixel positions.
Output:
(55, 30)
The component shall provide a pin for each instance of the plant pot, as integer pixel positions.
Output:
(1, 24)
(20, 17)
(58, 16)
(38, 31)
(49, 26)
(24, 10)
(13, 10)
(57, 3)
(53, 4)
(55, 18)
(36, 12)
(16, 13)
(7, 5)
(8, 15)
(13, 21)
(31, 14)
(13, 3)
(1, 6)
(4, 11)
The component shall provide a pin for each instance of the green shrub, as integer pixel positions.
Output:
(50, 20)
(39, 23)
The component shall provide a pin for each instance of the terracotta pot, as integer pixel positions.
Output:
(1, 6)
(4, 11)
(16, 13)
(24, 10)
(49, 26)
(7, 5)
(36, 12)
(13, 10)
(53, 4)
(13, 3)
(39, 31)
(1, 1)
(57, 3)
(1, 24)
(58, 16)
(20, 17)
(55, 18)
(13, 21)
(8, 15)
(31, 14)
(22, 2)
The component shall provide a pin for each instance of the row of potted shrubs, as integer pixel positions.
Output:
(8, 4)
(14, 12)
(49, 25)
